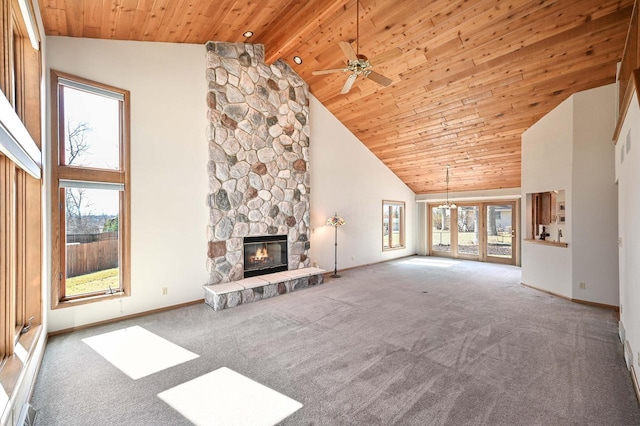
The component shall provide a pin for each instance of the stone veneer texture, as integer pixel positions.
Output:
(258, 157)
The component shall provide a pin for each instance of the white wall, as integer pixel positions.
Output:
(547, 149)
(628, 173)
(594, 217)
(570, 149)
(168, 167)
(348, 179)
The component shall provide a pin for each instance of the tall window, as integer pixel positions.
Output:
(392, 225)
(91, 190)
(20, 187)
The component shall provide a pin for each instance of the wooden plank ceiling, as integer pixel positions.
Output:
(474, 74)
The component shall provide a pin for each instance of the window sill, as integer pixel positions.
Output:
(89, 299)
(393, 248)
(13, 367)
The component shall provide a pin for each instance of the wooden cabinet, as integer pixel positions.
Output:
(546, 208)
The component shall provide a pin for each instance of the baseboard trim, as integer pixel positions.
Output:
(126, 317)
(634, 379)
(580, 301)
(329, 273)
(561, 296)
(597, 305)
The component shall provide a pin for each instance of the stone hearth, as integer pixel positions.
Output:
(248, 290)
(258, 157)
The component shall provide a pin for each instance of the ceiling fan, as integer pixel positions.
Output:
(358, 64)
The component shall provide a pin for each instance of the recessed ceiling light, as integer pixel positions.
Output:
(297, 60)
(247, 34)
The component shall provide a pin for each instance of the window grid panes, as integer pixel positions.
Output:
(468, 230)
(91, 130)
(440, 230)
(91, 241)
(500, 231)
(393, 226)
(92, 190)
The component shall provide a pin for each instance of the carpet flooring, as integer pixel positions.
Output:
(415, 341)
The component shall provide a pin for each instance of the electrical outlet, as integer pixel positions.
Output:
(165, 291)
(582, 286)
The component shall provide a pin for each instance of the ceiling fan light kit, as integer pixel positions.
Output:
(358, 64)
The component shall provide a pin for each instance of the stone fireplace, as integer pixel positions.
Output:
(265, 255)
(258, 165)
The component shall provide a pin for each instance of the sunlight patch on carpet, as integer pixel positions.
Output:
(435, 262)
(224, 397)
(138, 352)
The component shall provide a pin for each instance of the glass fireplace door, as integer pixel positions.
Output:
(265, 255)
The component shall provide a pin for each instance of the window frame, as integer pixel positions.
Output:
(391, 204)
(20, 188)
(64, 173)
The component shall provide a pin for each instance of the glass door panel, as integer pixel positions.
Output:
(468, 230)
(440, 230)
(484, 231)
(500, 231)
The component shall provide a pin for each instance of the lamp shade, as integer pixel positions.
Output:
(335, 220)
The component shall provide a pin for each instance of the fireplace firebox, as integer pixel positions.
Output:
(264, 255)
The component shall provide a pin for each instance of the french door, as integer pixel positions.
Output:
(500, 232)
(476, 231)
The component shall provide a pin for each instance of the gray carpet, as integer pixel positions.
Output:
(403, 342)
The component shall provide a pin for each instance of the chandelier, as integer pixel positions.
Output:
(447, 205)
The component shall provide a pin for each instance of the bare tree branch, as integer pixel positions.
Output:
(77, 140)
(77, 209)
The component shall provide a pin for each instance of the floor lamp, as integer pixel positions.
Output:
(335, 221)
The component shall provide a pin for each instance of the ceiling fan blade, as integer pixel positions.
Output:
(379, 78)
(349, 83)
(331, 71)
(348, 50)
(385, 56)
